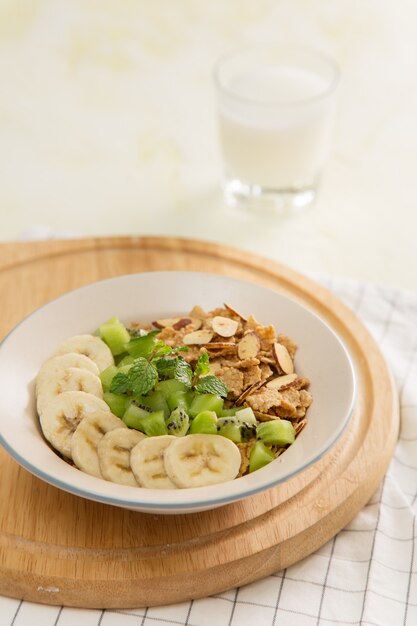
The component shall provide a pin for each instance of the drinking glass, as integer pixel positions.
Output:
(276, 108)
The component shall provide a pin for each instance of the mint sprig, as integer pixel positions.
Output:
(204, 382)
(154, 360)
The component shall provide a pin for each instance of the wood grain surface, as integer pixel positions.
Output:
(56, 548)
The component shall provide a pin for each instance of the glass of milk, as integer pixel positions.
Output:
(276, 108)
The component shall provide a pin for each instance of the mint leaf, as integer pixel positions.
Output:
(119, 383)
(175, 367)
(202, 366)
(165, 367)
(142, 346)
(212, 384)
(160, 349)
(142, 376)
(183, 371)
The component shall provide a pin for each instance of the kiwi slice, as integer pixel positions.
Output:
(133, 414)
(107, 375)
(279, 432)
(260, 456)
(118, 403)
(126, 360)
(204, 423)
(154, 401)
(181, 399)
(152, 424)
(115, 334)
(178, 423)
(170, 386)
(246, 415)
(228, 412)
(230, 428)
(206, 402)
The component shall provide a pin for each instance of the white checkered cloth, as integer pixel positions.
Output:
(366, 575)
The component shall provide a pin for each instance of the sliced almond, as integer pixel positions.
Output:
(220, 345)
(224, 326)
(249, 346)
(198, 337)
(198, 312)
(232, 310)
(196, 323)
(281, 381)
(167, 322)
(248, 391)
(178, 322)
(299, 426)
(182, 323)
(267, 360)
(282, 358)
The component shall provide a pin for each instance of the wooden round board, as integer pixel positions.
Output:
(56, 548)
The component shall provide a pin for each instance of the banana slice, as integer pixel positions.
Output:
(58, 364)
(200, 460)
(114, 455)
(71, 379)
(90, 346)
(147, 462)
(63, 414)
(86, 438)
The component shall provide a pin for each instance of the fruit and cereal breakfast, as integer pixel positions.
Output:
(181, 402)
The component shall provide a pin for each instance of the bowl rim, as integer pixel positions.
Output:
(211, 500)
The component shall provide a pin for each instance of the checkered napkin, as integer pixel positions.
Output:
(366, 575)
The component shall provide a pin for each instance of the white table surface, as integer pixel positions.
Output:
(107, 126)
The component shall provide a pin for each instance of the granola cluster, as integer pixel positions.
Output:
(253, 360)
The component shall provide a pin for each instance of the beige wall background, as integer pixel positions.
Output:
(108, 126)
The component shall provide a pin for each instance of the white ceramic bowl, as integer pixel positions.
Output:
(321, 357)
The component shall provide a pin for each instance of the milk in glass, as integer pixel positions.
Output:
(275, 122)
(285, 147)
